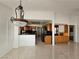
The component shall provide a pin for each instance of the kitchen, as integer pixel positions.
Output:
(35, 33)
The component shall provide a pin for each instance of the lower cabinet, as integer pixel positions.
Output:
(58, 39)
(26, 40)
(61, 39)
(48, 39)
(65, 39)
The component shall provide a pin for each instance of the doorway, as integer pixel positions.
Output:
(38, 35)
(43, 31)
(71, 32)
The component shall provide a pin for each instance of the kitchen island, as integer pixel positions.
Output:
(26, 40)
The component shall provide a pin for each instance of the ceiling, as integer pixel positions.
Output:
(66, 6)
(40, 22)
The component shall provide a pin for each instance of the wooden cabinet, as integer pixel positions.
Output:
(62, 33)
(66, 28)
(48, 39)
(47, 35)
(49, 27)
(61, 39)
(58, 39)
(65, 39)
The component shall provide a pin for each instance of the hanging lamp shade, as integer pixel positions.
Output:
(19, 20)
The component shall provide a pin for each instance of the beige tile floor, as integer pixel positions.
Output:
(59, 51)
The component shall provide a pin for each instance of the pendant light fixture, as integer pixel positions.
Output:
(19, 20)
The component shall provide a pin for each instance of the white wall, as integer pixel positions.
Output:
(75, 20)
(65, 19)
(5, 35)
(42, 15)
(16, 37)
(61, 18)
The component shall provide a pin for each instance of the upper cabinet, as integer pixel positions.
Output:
(49, 27)
(61, 28)
(65, 28)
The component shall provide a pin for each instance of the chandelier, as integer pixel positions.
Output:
(19, 20)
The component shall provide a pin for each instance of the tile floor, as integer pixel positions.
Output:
(59, 51)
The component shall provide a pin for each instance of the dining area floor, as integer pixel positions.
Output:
(43, 51)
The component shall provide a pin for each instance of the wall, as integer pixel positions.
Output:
(61, 18)
(65, 19)
(75, 20)
(5, 29)
(15, 41)
(42, 15)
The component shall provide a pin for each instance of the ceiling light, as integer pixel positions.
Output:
(19, 20)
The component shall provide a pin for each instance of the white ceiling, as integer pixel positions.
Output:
(40, 21)
(66, 6)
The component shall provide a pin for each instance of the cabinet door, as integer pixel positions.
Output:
(48, 39)
(65, 39)
(49, 27)
(66, 28)
(61, 28)
(58, 39)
